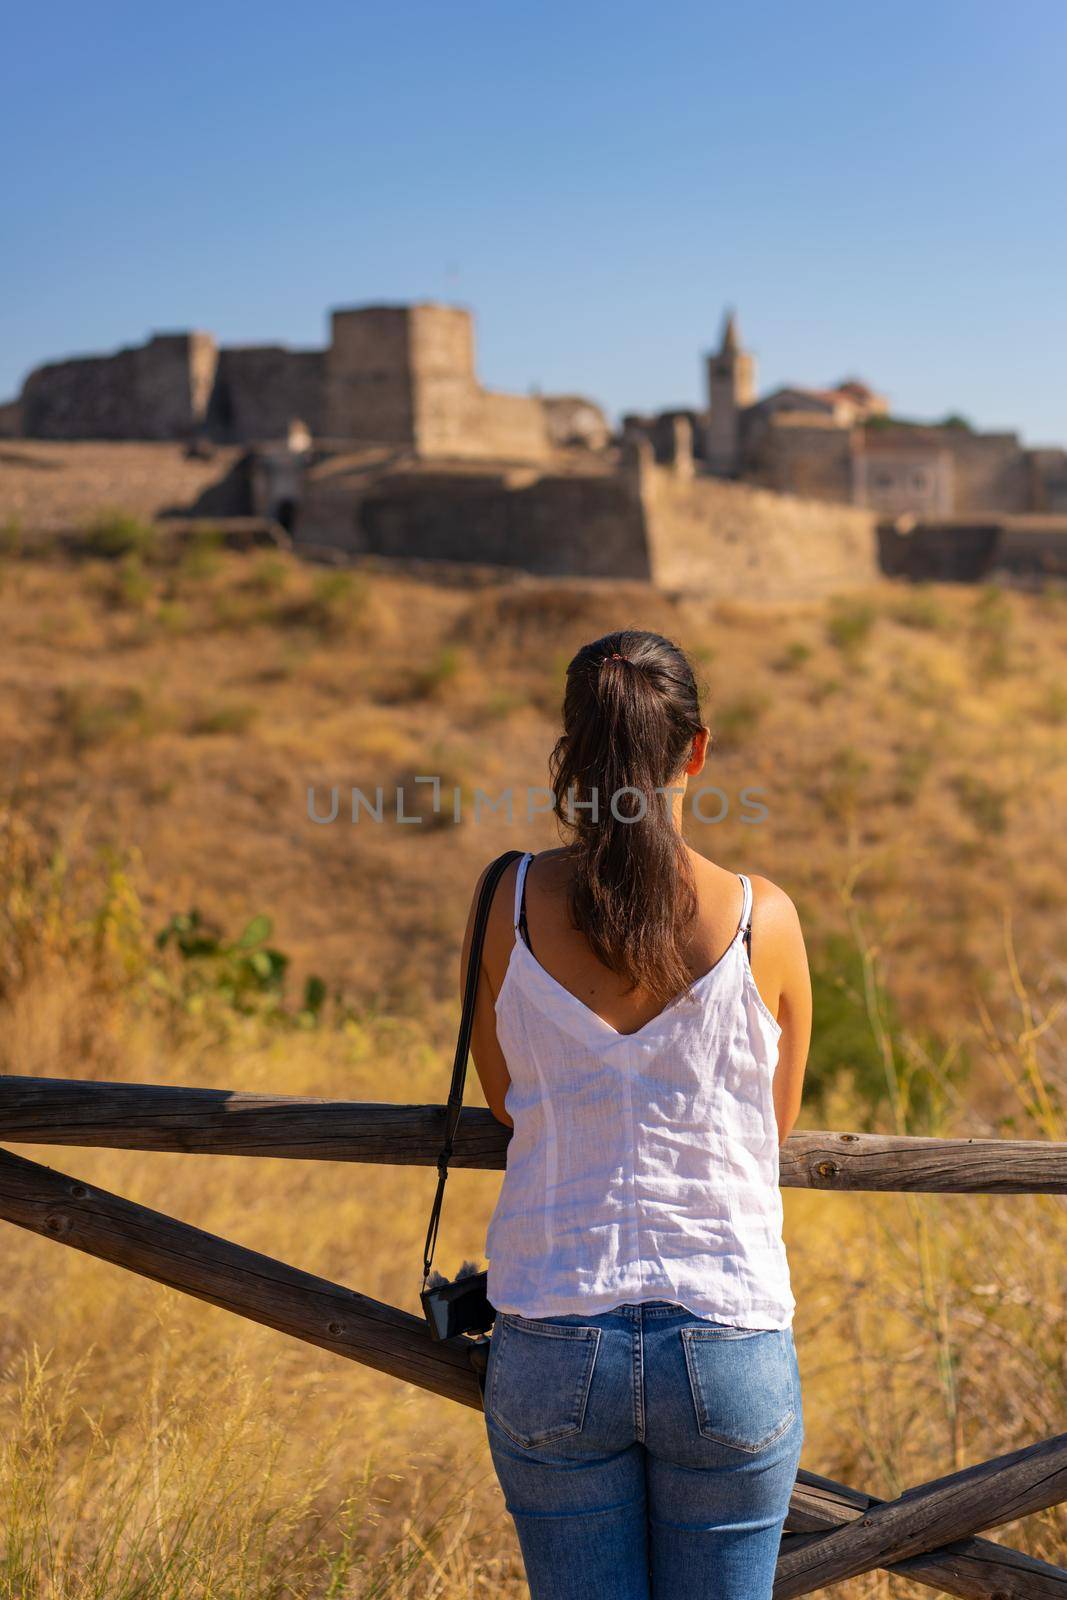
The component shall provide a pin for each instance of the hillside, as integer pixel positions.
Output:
(163, 715)
(908, 746)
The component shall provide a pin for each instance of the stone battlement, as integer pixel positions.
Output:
(401, 375)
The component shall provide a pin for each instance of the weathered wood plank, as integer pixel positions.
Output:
(217, 1121)
(239, 1280)
(928, 1517)
(974, 1568)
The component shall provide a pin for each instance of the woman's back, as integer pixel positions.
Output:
(644, 1159)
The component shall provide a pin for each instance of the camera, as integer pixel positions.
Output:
(461, 1305)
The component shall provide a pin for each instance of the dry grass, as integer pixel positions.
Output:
(157, 1448)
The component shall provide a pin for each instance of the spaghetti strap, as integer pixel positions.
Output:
(744, 927)
(520, 884)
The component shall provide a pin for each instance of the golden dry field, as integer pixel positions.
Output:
(164, 712)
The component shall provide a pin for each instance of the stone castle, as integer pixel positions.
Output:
(401, 376)
(841, 444)
(385, 442)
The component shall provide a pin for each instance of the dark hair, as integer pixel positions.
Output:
(631, 710)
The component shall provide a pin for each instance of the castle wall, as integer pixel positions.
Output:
(1048, 479)
(261, 389)
(369, 392)
(666, 431)
(454, 415)
(937, 551)
(50, 486)
(990, 469)
(505, 427)
(581, 525)
(1025, 546)
(159, 390)
(983, 472)
(736, 541)
(800, 454)
(404, 375)
(897, 481)
(574, 422)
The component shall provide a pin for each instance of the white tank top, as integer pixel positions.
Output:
(642, 1166)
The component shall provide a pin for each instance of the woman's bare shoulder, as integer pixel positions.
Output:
(773, 906)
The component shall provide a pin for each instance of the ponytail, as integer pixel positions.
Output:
(630, 713)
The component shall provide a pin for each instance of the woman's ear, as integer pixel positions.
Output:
(695, 763)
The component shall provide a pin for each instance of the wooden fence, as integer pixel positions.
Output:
(832, 1531)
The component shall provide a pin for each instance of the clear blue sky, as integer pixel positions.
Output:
(879, 189)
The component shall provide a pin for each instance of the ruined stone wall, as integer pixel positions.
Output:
(937, 551)
(737, 541)
(1048, 479)
(898, 481)
(501, 427)
(159, 390)
(961, 550)
(261, 389)
(53, 487)
(454, 415)
(1032, 547)
(369, 390)
(399, 376)
(575, 422)
(800, 454)
(588, 525)
(636, 520)
(991, 471)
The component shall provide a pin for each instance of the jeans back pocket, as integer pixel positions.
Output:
(539, 1378)
(743, 1383)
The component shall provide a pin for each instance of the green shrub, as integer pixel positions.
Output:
(849, 624)
(246, 974)
(843, 777)
(173, 617)
(794, 655)
(855, 1025)
(992, 621)
(269, 576)
(336, 602)
(93, 716)
(430, 681)
(117, 533)
(736, 720)
(132, 587)
(235, 716)
(11, 535)
(921, 609)
(201, 556)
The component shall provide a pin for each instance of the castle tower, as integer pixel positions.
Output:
(731, 388)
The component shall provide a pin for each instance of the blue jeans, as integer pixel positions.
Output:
(644, 1452)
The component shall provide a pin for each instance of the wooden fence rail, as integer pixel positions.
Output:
(832, 1532)
(139, 1116)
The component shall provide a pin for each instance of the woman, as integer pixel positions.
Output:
(642, 1024)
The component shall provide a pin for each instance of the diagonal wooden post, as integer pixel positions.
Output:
(969, 1567)
(932, 1514)
(239, 1280)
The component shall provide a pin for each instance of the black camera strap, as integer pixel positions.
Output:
(463, 1043)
